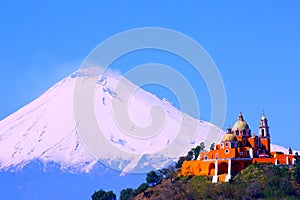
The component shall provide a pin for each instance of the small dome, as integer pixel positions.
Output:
(229, 137)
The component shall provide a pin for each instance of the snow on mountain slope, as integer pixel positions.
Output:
(45, 129)
(275, 147)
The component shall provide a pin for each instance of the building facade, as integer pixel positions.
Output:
(237, 150)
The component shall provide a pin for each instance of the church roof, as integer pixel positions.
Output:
(241, 124)
(229, 137)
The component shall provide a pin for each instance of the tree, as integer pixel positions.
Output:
(212, 146)
(127, 194)
(193, 154)
(196, 152)
(190, 155)
(296, 173)
(142, 188)
(179, 162)
(103, 195)
(153, 178)
(202, 146)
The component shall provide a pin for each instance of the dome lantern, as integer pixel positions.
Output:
(241, 128)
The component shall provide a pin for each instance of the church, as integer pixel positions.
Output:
(237, 150)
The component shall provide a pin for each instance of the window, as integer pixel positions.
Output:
(226, 151)
(232, 145)
(226, 144)
(217, 155)
(244, 142)
(205, 158)
(263, 132)
(241, 153)
(247, 153)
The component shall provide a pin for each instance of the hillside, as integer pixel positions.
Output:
(258, 181)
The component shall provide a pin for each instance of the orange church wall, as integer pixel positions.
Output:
(207, 168)
(264, 160)
(281, 159)
(220, 153)
(266, 143)
(198, 168)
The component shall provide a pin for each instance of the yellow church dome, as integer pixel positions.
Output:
(240, 124)
(229, 137)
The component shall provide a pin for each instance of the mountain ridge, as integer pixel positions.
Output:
(45, 128)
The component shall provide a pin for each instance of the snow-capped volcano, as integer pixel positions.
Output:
(46, 128)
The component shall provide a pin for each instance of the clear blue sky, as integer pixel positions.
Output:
(255, 46)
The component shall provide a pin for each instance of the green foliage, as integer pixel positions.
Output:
(200, 187)
(196, 152)
(190, 155)
(193, 154)
(103, 195)
(212, 146)
(179, 162)
(168, 172)
(202, 146)
(264, 181)
(153, 178)
(127, 194)
(142, 188)
(296, 173)
(197, 149)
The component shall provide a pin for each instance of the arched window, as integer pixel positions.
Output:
(247, 153)
(244, 132)
(263, 132)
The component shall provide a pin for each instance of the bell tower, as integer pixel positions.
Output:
(264, 132)
(263, 127)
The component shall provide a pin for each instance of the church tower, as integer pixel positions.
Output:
(263, 127)
(264, 132)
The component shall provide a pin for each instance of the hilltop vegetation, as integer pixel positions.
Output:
(258, 181)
